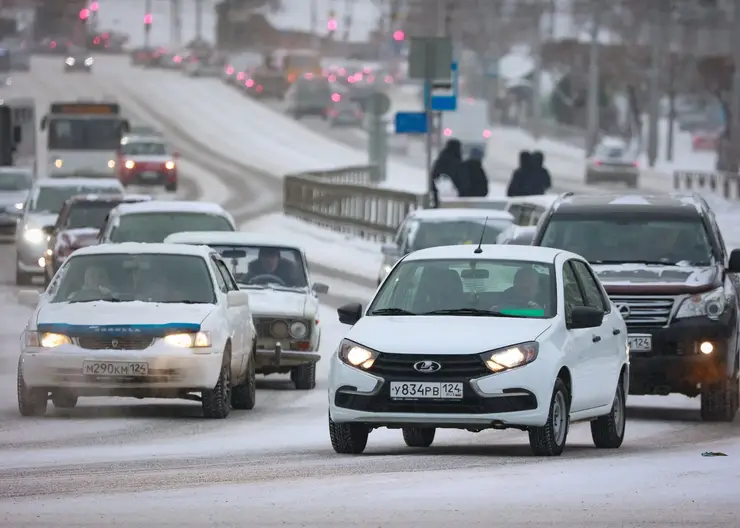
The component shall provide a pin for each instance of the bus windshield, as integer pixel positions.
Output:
(81, 133)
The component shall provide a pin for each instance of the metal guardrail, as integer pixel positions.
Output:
(346, 200)
(719, 184)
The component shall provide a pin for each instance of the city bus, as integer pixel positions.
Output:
(298, 63)
(82, 138)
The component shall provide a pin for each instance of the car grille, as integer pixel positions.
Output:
(115, 343)
(263, 325)
(644, 312)
(401, 367)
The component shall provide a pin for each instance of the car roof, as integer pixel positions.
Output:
(676, 203)
(126, 198)
(141, 248)
(226, 238)
(452, 213)
(15, 169)
(175, 206)
(103, 183)
(491, 252)
(545, 200)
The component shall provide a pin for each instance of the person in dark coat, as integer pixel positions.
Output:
(474, 175)
(521, 179)
(448, 163)
(541, 181)
(269, 262)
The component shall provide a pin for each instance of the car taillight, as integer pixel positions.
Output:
(486, 134)
(229, 70)
(53, 44)
(240, 76)
(447, 132)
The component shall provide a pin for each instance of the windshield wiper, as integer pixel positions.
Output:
(391, 311)
(646, 262)
(476, 312)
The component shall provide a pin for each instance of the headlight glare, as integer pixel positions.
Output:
(89, 61)
(58, 163)
(510, 357)
(356, 356)
(130, 164)
(34, 236)
(298, 330)
(49, 340)
(111, 164)
(19, 206)
(70, 61)
(711, 304)
(169, 165)
(189, 340)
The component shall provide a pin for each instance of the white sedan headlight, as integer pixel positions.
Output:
(298, 329)
(46, 339)
(510, 357)
(19, 206)
(70, 61)
(356, 356)
(88, 61)
(34, 236)
(189, 340)
(711, 304)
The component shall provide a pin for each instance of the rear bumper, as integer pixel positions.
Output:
(161, 177)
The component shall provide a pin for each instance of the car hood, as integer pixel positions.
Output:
(39, 220)
(81, 236)
(443, 334)
(636, 278)
(272, 302)
(12, 198)
(124, 314)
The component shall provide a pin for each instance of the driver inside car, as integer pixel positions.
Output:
(269, 262)
(525, 291)
(95, 285)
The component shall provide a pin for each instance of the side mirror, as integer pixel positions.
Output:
(350, 313)
(734, 265)
(585, 317)
(17, 134)
(43, 123)
(29, 298)
(319, 287)
(390, 250)
(48, 230)
(235, 299)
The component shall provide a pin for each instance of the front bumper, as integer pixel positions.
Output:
(675, 363)
(272, 358)
(519, 398)
(30, 255)
(80, 67)
(168, 368)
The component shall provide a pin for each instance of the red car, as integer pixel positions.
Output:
(148, 161)
(78, 225)
(705, 140)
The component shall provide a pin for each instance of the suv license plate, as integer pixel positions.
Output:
(640, 343)
(425, 390)
(149, 175)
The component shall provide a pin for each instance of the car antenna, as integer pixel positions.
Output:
(479, 249)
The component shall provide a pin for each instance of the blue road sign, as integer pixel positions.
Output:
(411, 123)
(446, 102)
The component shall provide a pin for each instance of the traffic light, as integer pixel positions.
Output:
(148, 19)
(399, 35)
(84, 14)
(94, 6)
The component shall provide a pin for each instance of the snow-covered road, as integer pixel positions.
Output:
(145, 463)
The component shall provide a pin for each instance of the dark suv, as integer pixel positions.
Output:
(665, 267)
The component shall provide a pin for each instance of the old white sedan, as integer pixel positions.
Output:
(283, 301)
(139, 320)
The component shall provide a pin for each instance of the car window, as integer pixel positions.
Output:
(15, 181)
(87, 214)
(219, 276)
(517, 288)
(144, 148)
(228, 279)
(51, 199)
(591, 288)
(572, 295)
(156, 226)
(455, 231)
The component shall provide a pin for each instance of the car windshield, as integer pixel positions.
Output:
(472, 287)
(15, 181)
(51, 199)
(263, 266)
(156, 226)
(630, 238)
(88, 214)
(83, 133)
(425, 234)
(148, 277)
(144, 148)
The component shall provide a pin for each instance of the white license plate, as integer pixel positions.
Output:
(115, 368)
(425, 390)
(640, 343)
(149, 175)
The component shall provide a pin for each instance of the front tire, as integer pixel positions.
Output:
(348, 438)
(216, 402)
(549, 440)
(244, 396)
(31, 401)
(419, 436)
(719, 401)
(607, 431)
(304, 376)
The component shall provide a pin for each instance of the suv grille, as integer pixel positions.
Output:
(645, 311)
(115, 343)
(401, 367)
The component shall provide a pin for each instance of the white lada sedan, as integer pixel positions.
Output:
(139, 320)
(492, 338)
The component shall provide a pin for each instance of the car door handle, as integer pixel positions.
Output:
(616, 331)
(596, 338)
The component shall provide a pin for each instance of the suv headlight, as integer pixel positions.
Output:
(298, 329)
(356, 356)
(34, 236)
(70, 61)
(510, 357)
(711, 304)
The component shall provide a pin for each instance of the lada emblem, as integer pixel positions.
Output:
(427, 367)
